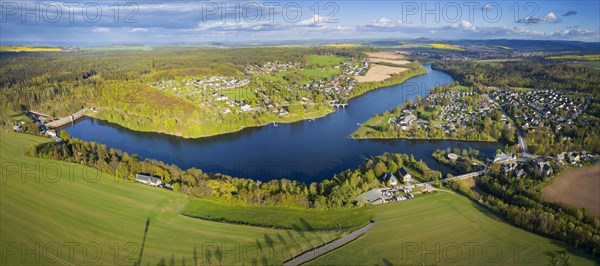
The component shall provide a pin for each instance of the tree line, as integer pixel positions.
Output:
(515, 200)
(341, 191)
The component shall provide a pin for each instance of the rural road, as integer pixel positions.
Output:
(316, 252)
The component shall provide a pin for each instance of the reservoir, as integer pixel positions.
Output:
(306, 150)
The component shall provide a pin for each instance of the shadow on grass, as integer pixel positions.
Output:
(139, 261)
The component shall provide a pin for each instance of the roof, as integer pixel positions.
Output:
(141, 177)
(403, 172)
(503, 157)
(389, 176)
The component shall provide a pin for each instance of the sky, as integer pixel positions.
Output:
(180, 22)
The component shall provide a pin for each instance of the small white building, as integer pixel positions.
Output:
(148, 180)
(246, 107)
(405, 175)
(504, 158)
(391, 178)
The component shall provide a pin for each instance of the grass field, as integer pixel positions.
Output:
(18, 49)
(280, 217)
(116, 48)
(342, 44)
(306, 75)
(520, 89)
(578, 187)
(324, 60)
(462, 88)
(49, 208)
(589, 57)
(370, 128)
(499, 60)
(240, 94)
(444, 228)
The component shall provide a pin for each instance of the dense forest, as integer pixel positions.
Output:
(515, 200)
(62, 83)
(340, 191)
(527, 74)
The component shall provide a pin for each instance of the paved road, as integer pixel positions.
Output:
(314, 253)
(522, 142)
(519, 133)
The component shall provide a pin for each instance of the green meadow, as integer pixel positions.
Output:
(56, 212)
(324, 60)
(444, 228)
(279, 217)
(50, 208)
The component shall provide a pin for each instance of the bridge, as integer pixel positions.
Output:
(67, 119)
(458, 177)
(39, 113)
(337, 104)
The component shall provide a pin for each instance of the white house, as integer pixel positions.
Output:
(504, 158)
(405, 175)
(148, 180)
(543, 169)
(246, 107)
(389, 177)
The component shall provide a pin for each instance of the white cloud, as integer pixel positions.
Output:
(384, 22)
(487, 7)
(139, 30)
(101, 30)
(315, 20)
(549, 18)
(467, 25)
(237, 26)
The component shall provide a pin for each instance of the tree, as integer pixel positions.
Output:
(380, 169)
(392, 166)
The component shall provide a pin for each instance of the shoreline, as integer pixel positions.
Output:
(328, 112)
(212, 135)
(453, 139)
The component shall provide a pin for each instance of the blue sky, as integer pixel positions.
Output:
(164, 22)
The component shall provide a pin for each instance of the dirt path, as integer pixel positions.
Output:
(579, 187)
(314, 253)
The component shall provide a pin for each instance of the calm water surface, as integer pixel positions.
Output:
(306, 150)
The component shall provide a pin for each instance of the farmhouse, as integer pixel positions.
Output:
(148, 180)
(508, 167)
(391, 178)
(504, 158)
(406, 177)
(544, 169)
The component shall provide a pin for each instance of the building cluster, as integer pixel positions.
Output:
(394, 193)
(542, 108)
(536, 166)
(209, 91)
(471, 54)
(354, 69)
(218, 82)
(271, 67)
(455, 110)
